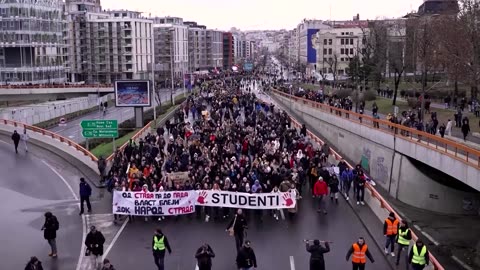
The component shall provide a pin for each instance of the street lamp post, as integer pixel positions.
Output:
(172, 52)
(153, 77)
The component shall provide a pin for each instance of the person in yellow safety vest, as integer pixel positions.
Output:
(403, 240)
(390, 230)
(419, 256)
(360, 253)
(159, 244)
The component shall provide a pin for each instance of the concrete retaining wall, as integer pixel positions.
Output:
(82, 162)
(390, 169)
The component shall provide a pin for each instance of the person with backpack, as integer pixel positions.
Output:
(34, 264)
(50, 228)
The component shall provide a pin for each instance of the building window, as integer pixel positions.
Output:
(324, 41)
(342, 41)
(341, 59)
(342, 51)
(351, 51)
(351, 41)
(324, 51)
(330, 51)
(343, 33)
(330, 42)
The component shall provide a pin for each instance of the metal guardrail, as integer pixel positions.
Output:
(53, 135)
(383, 203)
(455, 150)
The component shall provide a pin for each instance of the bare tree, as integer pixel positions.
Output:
(333, 63)
(374, 50)
(396, 41)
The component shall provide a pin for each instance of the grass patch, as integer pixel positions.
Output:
(309, 86)
(106, 149)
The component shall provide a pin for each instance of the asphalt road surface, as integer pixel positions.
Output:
(29, 187)
(73, 131)
(277, 244)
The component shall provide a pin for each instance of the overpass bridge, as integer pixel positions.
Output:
(394, 156)
(50, 92)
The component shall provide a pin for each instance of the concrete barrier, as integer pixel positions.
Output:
(73, 153)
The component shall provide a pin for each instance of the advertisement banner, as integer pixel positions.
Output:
(230, 199)
(132, 93)
(168, 203)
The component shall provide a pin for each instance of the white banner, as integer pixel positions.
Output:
(245, 200)
(168, 203)
(172, 203)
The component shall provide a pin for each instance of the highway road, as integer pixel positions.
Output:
(73, 131)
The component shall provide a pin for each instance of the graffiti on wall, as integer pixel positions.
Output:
(365, 161)
(378, 170)
(381, 170)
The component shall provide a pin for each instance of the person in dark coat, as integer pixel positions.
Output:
(16, 140)
(238, 225)
(34, 264)
(94, 242)
(333, 185)
(107, 265)
(317, 262)
(246, 258)
(85, 193)
(49, 229)
(102, 165)
(204, 257)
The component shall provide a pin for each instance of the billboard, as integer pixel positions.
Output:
(311, 52)
(131, 93)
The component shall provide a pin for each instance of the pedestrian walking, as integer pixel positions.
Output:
(94, 242)
(334, 184)
(360, 253)
(25, 138)
(204, 257)
(317, 261)
(159, 244)
(390, 230)
(237, 227)
(85, 193)
(320, 190)
(107, 265)
(16, 140)
(34, 264)
(465, 128)
(50, 228)
(102, 165)
(246, 259)
(403, 241)
(419, 257)
(360, 184)
(448, 128)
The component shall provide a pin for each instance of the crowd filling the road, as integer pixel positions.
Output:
(225, 139)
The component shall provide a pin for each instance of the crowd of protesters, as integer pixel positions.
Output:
(226, 139)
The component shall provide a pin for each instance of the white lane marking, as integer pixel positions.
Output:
(63, 179)
(2, 141)
(115, 238)
(464, 265)
(196, 267)
(428, 236)
(282, 214)
(292, 263)
(84, 219)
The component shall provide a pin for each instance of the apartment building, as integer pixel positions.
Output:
(31, 42)
(197, 46)
(336, 47)
(250, 50)
(108, 46)
(170, 47)
(214, 48)
(228, 51)
(293, 52)
(239, 48)
(307, 55)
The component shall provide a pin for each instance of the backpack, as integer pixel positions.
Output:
(56, 225)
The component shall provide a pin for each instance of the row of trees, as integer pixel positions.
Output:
(447, 44)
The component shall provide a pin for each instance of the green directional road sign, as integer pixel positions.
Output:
(99, 124)
(99, 128)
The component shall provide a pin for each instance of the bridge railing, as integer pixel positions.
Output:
(53, 135)
(444, 146)
(375, 194)
(43, 86)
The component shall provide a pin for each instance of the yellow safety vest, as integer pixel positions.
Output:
(401, 237)
(158, 244)
(419, 258)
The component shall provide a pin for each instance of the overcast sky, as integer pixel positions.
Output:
(265, 14)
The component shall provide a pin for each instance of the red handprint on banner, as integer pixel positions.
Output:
(202, 197)
(288, 199)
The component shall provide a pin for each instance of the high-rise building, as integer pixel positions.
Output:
(107, 46)
(197, 46)
(31, 42)
(214, 48)
(306, 52)
(228, 51)
(171, 47)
